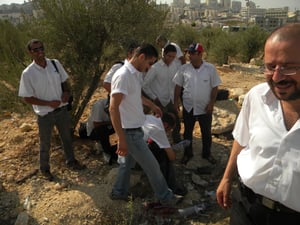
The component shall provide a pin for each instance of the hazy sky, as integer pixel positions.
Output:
(292, 4)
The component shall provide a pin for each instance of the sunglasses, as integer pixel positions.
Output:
(37, 49)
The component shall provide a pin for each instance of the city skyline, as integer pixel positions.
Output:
(292, 4)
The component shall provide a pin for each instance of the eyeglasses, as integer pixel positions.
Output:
(37, 49)
(287, 71)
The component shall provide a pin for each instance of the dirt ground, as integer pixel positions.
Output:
(83, 197)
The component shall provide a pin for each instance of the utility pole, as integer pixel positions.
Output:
(248, 12)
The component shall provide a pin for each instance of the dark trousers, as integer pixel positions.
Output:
(166, 166)
(61, 120)
(247, 210)
(204, 121)
(102, 134)
(176, 131)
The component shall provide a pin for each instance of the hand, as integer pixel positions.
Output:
(65, 97)
(54, 104)
(223, 194)
(157, 111)
(209, 108)
(158, 103)
(122, 148)
(176, 107)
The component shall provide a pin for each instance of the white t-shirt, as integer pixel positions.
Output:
(43, 83)
(128, 81)
(158, 82)
(197, 85)
(112, 71)
(97, 115)
(153, 128)
(270, 162)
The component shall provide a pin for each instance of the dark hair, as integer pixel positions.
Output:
(168, 118)
(33, 41)
(148, 50)
(131, 47)
(169, 48)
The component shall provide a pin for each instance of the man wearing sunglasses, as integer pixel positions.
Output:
(266, 147)
(44, 87)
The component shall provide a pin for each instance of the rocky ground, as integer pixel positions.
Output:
(83, 197)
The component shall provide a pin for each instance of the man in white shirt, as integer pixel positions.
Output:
(159, 86)
(99, 128)
(155, 133)
(162, 42)
(127, 116)
(199, 81)
(266, 147)
(43, 85)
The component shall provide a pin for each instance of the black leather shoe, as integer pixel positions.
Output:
(75, 165)
(211, 159)
(46, 174)
(185, 159)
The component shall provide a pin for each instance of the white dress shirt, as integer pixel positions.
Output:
(43, 83)
(97, 115)
(112, 71)
(153, 128)
(158, 82)
(128, 81)
(197, 85)
(270, 162)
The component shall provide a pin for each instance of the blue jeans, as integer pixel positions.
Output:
(61, 120)
(205, 122)
(139, 152)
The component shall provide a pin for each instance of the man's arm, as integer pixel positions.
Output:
(224, 188)
(177, 94)
(170, 153)
(35, 101)
(213, 96)
(107, 86)
(115, 117)
(65, 91)
(98, 124)
(155, 109)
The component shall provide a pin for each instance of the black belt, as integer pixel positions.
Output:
(132, 129)
(59, 109)
(269, 203)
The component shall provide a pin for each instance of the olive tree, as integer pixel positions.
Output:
(81, 33)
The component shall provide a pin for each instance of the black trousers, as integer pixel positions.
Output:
(248, 210)
(204, 121)
(166, 166)
(102, 134)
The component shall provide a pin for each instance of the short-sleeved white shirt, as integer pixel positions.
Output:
(112, 71)
(43, 83)
(158, 82)
(97, 115)
(270, 162)
(128, 81)
(153, 128)
(197, 85)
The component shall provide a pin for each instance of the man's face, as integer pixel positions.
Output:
(37, 51)
(145, 63)
(195, 57)
(169, 57)
(282, 56)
